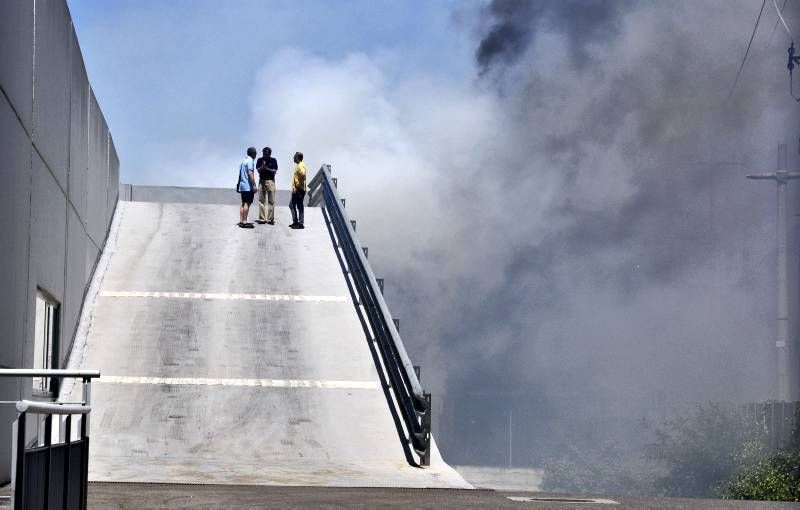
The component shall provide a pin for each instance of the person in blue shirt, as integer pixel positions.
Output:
(246, 185)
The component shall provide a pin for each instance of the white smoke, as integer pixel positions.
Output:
(572, 232)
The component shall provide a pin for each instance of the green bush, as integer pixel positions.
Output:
(776, 478)
(712, 450)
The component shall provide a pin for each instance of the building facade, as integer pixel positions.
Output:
(60, 175)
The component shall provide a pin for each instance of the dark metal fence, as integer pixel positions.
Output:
(413, 405)
(51, 475)
(46, 473)
(778, 419)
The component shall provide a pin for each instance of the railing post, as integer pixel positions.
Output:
(68, 449)
(336, 184)
(48, 435)
(366, 251)
(84, 463)
(425, 458)
(353, 224)
(87, 398)
(380, 283)
(87, 392)
(396, 324)
(19, 481)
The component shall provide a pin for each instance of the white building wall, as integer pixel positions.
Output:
(60, 176)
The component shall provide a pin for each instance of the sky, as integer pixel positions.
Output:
(554, 191)
(177, 79)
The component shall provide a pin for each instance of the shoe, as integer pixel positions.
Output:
(261, 222)
(270, 223)
(300, 225)
(293, 225)
(241, 225)
(249, 225)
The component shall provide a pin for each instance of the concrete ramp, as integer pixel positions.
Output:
(235, 356)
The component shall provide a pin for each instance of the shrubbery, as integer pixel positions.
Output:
(776, 478)
(711, 451)
(718, 452)
(700, 450)
(773, 477)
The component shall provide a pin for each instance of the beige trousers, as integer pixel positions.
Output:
(266, 196)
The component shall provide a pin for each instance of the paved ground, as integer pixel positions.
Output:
(118, 496)
(234, 356)
(502, 478)
(160, 496)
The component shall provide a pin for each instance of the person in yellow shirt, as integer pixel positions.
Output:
(298, 191)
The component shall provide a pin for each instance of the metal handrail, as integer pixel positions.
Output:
(412, 400)
(29, 406)
(25, 407)
(416, 388)
(52, 372)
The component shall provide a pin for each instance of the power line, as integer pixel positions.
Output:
(777, 22)
(747, 52)
(783, 20)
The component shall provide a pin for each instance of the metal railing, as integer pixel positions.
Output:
(47, 474)
(412, 403)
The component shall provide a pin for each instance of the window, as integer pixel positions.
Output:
(45, 343)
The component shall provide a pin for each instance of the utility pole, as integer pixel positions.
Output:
(510, 439)
(787, 365)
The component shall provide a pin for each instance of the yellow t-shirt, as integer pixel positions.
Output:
(299, 178)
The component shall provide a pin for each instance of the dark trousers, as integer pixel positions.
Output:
(296, 205)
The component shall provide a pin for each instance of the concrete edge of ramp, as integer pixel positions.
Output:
(437, 462)
(77, 355)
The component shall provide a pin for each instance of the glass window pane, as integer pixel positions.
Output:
(39, 340)
(45, 331)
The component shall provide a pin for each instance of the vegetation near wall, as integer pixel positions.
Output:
(711, 451)
(700, 450)
(716, 451)
(775, 478)
(768, 477)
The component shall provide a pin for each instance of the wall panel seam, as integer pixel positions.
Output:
(30, 210)
(16, 113)
(61, 189)
(61, 363)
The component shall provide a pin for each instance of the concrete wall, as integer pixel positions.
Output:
(60, 182)
(185, 195)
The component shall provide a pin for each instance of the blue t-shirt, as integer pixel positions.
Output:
(248, 165)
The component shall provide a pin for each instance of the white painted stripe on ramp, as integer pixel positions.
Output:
(223, 295)
(558, 499)
(264, 383)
